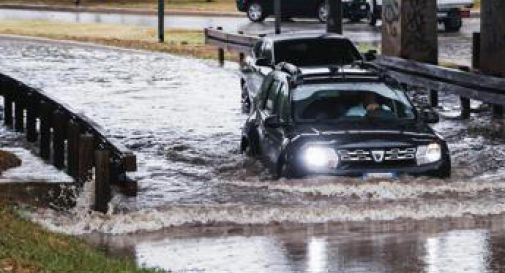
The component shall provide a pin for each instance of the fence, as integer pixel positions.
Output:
(467, 85)
(69, 140)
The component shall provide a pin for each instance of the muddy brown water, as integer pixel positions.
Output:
(182, 117)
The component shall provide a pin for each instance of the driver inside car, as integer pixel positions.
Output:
(368, 107)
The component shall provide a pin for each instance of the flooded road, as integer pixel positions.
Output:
(182, 118)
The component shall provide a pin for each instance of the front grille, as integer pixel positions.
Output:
(390, 154)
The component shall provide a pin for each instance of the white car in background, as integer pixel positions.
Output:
(450, 13)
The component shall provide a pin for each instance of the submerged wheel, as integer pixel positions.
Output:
(255, 12)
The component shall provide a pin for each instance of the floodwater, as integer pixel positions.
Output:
(182, 118)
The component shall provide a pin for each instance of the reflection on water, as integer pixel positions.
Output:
(452, 251)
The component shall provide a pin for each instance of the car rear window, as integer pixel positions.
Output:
(316, 52)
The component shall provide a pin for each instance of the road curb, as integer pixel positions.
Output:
(118, 10)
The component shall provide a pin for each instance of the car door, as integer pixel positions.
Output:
(270, 137)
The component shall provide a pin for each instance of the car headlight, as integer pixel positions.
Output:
(429, 154)
(317, 157)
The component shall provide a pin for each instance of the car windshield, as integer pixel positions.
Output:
(316, 52)
(344, 102)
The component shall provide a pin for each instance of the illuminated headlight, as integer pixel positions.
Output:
(316, 157)
(429, 154)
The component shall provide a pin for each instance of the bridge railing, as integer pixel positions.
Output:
(68, 139)
(467, 85)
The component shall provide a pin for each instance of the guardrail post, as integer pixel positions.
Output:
(497, 111)
(102, 180)
(8, 108)
(31, 118)
(433, 98)
(476, 50)
(73, 137)
(278, 16)
(161, 21)
(86, 150)
(241, 58)
(465, 108)
(58, 123)
(220, 56)
(45, 130)
(19, 113)
(334, 20)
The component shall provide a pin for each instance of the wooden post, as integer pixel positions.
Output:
(73, 136)
(19, 113)
(433, 98)
(492, 37)
(278, 16)
(45, 130)
(86, 158)
(465, 108)
(334, 20)
(8, 109)
(58, 123)
(161, 21)
(102, 180)
(241, 58)
(31, 118)
(497, 111)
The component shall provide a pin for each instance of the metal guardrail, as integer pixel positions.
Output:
(68, 139)
(467, 85)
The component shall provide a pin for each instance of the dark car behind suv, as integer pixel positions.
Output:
(258, 10)
(346, 120)
(301, 49)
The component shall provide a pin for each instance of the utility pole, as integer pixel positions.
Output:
(161, 21)
(334, 20)
(278, 16)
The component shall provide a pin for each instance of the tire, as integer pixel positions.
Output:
(287, 170)
(246, 100)
(355, 19)
(256, 12)
(322, 12)
(250, 145)
(453, 22)
(371, 19)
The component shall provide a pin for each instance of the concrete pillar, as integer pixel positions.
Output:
(334, 20)
(410, 29)
(492, 53)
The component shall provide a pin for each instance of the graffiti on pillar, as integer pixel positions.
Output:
(391, 14)
(416, 21)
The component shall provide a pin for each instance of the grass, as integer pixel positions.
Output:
(214, 5)
(27, 248)
(181, 42)
(8, 160)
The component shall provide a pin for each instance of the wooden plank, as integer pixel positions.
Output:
(59, 135)
(73, 137)
(8, 109)
(102, 180)
(86, 158)
(31, 118)
(45, 130)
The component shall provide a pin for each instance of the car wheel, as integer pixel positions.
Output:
(287, 170)
(322, 12)
(255, 12)
(246, 101)
(355, 19)
(372, 20)
(453, 25)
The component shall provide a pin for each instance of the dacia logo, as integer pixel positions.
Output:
(378, 156)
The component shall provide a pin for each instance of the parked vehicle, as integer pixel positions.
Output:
(259, 10)
(344, 121)
(301, 49)
(450, 13)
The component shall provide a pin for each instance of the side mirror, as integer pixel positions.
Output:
(263, 62)
(371, 55)
(429, 116)
(272, 122)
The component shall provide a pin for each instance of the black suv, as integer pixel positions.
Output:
(350, 121)
(301, 49)
(258, 10)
